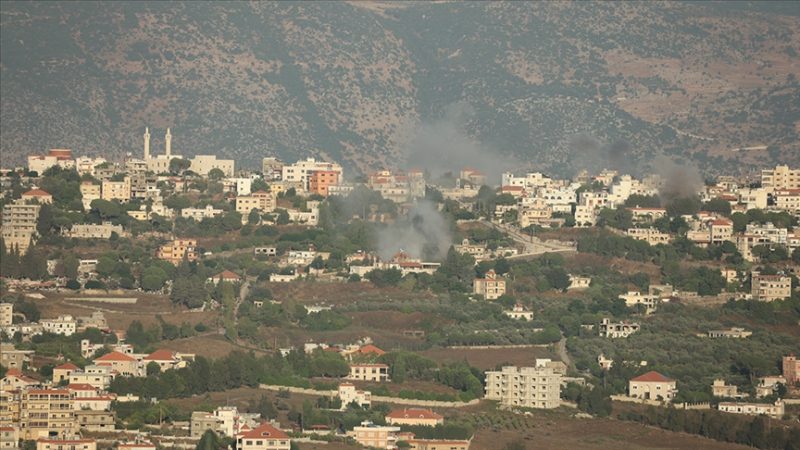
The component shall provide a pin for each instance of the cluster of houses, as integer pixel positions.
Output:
(654, 387)
(65, 324)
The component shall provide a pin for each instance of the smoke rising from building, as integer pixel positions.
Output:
(444, 146)
(423, 233)
(678, 180)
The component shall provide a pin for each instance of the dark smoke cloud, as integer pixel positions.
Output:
(444, 146)
(678, 179)
(594, 155)
(423, 233)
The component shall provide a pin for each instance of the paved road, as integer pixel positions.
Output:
(561, 348)
(531, 244)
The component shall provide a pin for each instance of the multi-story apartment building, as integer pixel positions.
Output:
(349, 394)
(46, 412)
(6, 314)
(66, 443)
(87, 164)
(787, 200)
(177, 250)
(534, 212)
(89, 192)
(398, 187)
(609, 329)
(261, 201)
(199, 214)
(65, 325)
(755, 198)
(652, 386)
(94, 231)
(225, 420)
(791, 369)
(781, 177)
(9, 438)
(768, 288)
(530, 387)
(116, 190)
(61, 157)
(636, 298)
(369, 372)
(203, 164)
(97, 376)
(375, 436)
(721, 389)
(11, 358)
(491, 286)
(10, 408)
(271, 168)
(123, 364)
(650, 235)
(19, 225)
(756, 234)
(321, 180)
(299, 173)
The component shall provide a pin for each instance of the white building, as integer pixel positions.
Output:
(199, 214)
(530, 387)
(203, 164)
(519, 313)
(64, 325)
(349, 394)
(299, 173)
(775, 410)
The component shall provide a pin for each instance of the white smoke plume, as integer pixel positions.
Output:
(444, 146)
(423, 233)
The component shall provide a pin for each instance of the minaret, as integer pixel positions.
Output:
(146, 143)
(168, 140)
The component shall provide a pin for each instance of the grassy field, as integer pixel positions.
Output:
(490, 358)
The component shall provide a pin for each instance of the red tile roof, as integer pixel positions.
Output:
(160, 355)
(115, 356)
(227, 275)
(37, 193)
(49, 391)
(81, 387)
(369, 348)
(264, 430)
(652, 376)
(413, 413)
(67, 366)
(16, 373)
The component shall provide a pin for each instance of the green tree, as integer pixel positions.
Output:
(718, 205)
(178, 165)
(153, 369)
(209, 441)
(70, 264)
(216, 174)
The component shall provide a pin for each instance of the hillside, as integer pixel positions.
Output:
(556, 86)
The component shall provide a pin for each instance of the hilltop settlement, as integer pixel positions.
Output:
(175, 302)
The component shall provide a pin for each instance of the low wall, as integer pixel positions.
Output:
(488, 347)
(117, 300)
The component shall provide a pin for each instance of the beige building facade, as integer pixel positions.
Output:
(530, 387)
